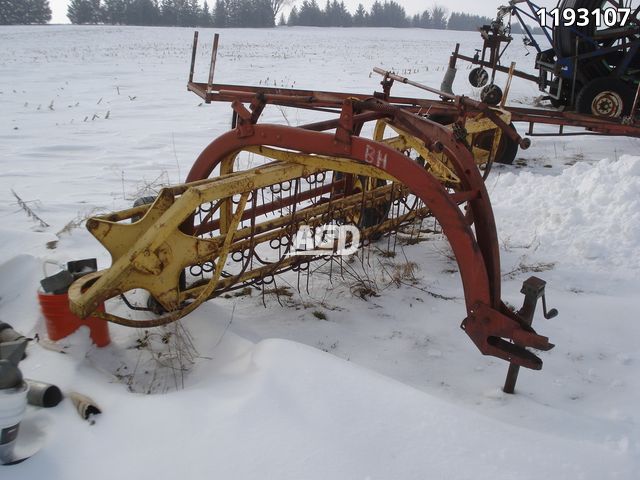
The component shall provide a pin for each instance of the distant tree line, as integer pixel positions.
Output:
(24, 12)
(181, 13)
(240, 13)
(381, 14)
(465, 21)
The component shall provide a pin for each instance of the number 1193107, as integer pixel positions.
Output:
(582, 17)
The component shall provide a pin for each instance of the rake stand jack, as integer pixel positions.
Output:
(533, 290)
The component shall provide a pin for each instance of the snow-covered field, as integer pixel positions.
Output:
(390, 387)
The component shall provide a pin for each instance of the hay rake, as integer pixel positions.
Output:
(235, 221)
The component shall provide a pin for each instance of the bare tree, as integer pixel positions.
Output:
(276, 6)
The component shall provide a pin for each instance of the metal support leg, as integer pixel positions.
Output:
(533, 289)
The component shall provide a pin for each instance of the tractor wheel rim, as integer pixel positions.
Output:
(607, 104)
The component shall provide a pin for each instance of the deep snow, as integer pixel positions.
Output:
(93, 117)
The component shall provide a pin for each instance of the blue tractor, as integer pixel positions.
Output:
(588, 57)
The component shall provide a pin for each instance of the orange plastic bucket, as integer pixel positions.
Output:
(61, 322)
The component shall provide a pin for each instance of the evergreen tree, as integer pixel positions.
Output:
(114, 12)
(81, 12)
(24, 12)
(12, 12)
(96, 6)
(336, 14)
(310, 14)
(249, 13)
(234, 13)
(394, 15)
(438, 17)
(456, 20)
(38, 11)
(360, 18)
(376, 15)
(326, 15)
(8, 14)
(220, 17)
(195, 13)
(142, 12)
(388, 14)
(425, 19)
(188, 12)
(259, 14)
(205, 20)
(346, 20)
(465, 21)
(168, 13)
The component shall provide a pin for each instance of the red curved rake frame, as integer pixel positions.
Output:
(495, 329)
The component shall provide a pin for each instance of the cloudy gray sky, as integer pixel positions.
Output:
(482, 7)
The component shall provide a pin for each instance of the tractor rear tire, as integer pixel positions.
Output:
(605, 97)
(507, 149)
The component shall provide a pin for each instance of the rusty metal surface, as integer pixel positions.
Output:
(453, 106)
